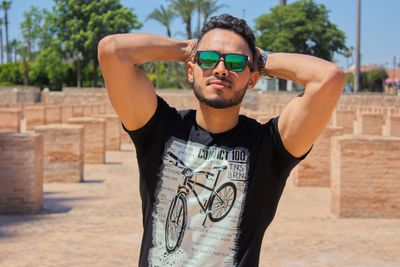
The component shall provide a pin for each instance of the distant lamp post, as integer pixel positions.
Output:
(357, 49)
(79, 58)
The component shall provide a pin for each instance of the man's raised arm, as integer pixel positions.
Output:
(130, 90)
(304, 118)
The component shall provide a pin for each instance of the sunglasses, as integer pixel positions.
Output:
(232, 61)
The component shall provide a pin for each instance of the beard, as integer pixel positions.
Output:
(219, 102)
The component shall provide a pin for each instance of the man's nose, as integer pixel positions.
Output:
(220, 69)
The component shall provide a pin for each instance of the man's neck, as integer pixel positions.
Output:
(217, 120)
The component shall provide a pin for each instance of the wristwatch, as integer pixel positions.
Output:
(261, 63)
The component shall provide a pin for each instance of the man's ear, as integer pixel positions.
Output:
(254, 77)
(189, 70)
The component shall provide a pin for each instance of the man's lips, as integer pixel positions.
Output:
(219, 84)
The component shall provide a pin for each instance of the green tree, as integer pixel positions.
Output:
(301, 27)
(11, 73)
(163, 16)
(204, 10)
(184, 9)
(14, 44)
(1, 41)
(31, 28)
(370, 81)
(6, 5)
(49, 69)
(80, 24)
(209, 7)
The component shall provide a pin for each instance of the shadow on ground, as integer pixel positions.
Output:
(52, 204)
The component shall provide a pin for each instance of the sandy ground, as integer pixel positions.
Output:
(98, 223)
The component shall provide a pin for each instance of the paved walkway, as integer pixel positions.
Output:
(98, 223)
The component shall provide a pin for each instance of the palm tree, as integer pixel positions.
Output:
(209, 7)
(282, 2)
(14, 44)
(1, 40)
(184, 9)
(5, 5)
(164, 16)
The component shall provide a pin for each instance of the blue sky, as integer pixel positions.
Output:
(380, 35)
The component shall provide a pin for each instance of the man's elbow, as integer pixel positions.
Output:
(106, 47)
(336, 79)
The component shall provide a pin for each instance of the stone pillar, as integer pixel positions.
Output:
(45, 96)
(392, 126)
(13, 97)
(77, 111)
(315, 169)
(369, 124)
(52, 114)
(10, 120)
(87, 110)
(345, 118)
(113, 131)
(21, 173)
(66, 113)
(94, 138)
(365, 176)
(34, 116)
(63, 152)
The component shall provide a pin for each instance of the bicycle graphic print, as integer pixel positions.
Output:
(215, 208)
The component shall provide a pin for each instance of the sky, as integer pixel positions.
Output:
(380, 37)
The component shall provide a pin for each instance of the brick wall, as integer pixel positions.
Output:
(365, 176)
(315, 169)
(113, 131)
(369, 123)
(10, 119)
(34, 116)
(52, 114)
(94, 138)
(63, 152)
(21, 173)
(345, 118)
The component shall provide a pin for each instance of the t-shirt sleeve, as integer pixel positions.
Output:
(156, 129)
(284, 158)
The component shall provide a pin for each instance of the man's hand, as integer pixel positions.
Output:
(191, 50)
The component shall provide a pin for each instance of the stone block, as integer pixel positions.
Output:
(315, 169)
(10, 120)
(369, 124)
(66, 113)
(392, 126)
(94, 138)
(345, 118)
(63, 152)
(34, 116)
(365, 176)
(21, 173)
(52, 114)
(113, 131)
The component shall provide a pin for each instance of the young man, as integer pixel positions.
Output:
(210, 180)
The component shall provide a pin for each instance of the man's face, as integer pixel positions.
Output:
(219, 87)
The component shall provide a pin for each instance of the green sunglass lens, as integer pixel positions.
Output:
(207, 60)
(236, 62)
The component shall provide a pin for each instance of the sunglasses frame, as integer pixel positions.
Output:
(223, 58)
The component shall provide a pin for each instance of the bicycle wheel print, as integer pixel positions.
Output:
(222, 202)
(175, 224)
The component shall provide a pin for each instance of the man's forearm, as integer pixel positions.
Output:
(299, 68)
(142, 48)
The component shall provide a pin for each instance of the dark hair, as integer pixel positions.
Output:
(228, 22)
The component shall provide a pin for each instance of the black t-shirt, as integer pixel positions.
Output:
(207, 199)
